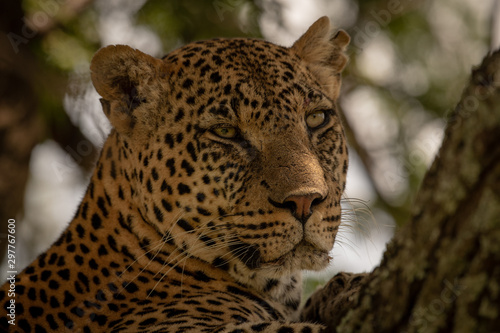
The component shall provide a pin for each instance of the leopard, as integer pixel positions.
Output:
(219, 183)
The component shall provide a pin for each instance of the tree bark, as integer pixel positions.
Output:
(441, 272)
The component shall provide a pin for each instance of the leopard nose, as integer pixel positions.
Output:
(302, 205)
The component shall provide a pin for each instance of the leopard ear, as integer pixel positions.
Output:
(324, 53)
(125, 78)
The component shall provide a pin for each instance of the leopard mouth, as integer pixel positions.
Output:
(250, 255)
(302, 251)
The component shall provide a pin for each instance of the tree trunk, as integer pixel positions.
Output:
(441, 272)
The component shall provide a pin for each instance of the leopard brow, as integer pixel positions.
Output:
(323, 104)
(317, 102)
(211, 119)
(221, 114)
(316, 99)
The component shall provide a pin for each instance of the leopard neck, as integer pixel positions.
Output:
(285, 289)
(108, 216)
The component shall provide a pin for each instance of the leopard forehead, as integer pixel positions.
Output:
(238, 82)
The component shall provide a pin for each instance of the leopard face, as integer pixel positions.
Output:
(232, 150)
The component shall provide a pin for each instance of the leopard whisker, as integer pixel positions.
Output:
(182, 253)
(159, 245)
(165, 274)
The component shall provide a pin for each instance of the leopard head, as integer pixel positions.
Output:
(233, 149)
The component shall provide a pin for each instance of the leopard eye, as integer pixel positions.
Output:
(315, 119)
(226, 132)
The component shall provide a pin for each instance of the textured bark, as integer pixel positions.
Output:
(441, 272)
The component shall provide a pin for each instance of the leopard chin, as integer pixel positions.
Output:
(303, 256)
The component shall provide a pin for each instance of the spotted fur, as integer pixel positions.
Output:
(217, 185)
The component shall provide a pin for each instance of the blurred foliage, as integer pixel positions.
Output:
(180, 22)
(430, 47)
(70, 37)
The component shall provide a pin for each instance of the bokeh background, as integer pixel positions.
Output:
(409, 61)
